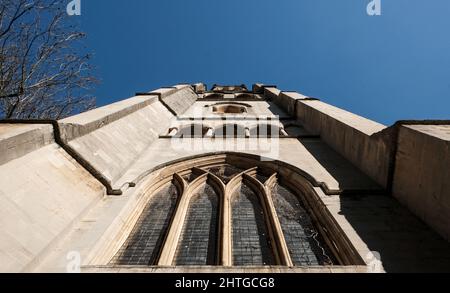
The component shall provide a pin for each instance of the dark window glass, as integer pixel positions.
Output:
(144, 243)
(251, 245)
(198, 243)
(305, 245)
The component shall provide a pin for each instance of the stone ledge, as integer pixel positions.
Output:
(271, 93)
(199, 88)
(422, 174)
(219, 269)
(17, 140)
(180, 101)
(259, 88)
(288, 101)
(111, 149)
(84, 123)
(87, 122)
(167, 91)
(440, 131)
(353, 136)
(354, 121)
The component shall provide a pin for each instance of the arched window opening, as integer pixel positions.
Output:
(230, 130)
(305, 244)
(214, 96)
(251, 245)
(245, 96)
(192, 130)
(146, 239)
(197, 220)
(265, 130)
(226, 172)
(199, 238)
(229, 89)
(229, 109)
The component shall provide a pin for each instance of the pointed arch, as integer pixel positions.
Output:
(198, 244)
(255, 213)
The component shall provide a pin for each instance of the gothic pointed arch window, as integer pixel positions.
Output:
(145, 242)
(199, 238)
(306, 246)
(232, 210)
(251, 242)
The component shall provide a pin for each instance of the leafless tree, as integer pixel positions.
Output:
(44, 69)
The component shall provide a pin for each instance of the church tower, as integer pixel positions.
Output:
(224, 179)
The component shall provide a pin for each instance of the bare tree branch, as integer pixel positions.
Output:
(44, 71)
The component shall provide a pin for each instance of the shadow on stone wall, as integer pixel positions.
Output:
(349, 177)
(404, 242)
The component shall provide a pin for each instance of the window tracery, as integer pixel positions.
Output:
(227, 215)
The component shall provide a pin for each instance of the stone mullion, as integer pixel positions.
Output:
(227, 225)
(223, 249)
(280, 247)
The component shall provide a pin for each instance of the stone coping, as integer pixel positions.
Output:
(84, 123)
(225, 270)
(17, 140)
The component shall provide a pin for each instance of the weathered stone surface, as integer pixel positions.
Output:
(111, 149)
(17, 140)
(288, 101)
(350, 135)
(314, 157)
(422, 173)
(41, 195)
(87, 122)
(380, 224)
(199, 88)
(254, 110)
(50, 205)
(271, 93)
(373, 223)
(181, 100)
(259, 88)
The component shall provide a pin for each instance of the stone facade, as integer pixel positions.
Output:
(74, 192)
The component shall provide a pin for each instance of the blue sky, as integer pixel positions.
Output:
(386, 68)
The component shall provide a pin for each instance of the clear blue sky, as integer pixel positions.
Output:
(395, 66)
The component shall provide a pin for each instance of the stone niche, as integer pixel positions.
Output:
(229, 109)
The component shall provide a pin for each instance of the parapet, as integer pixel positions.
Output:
(410, 159)
(421, 179)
